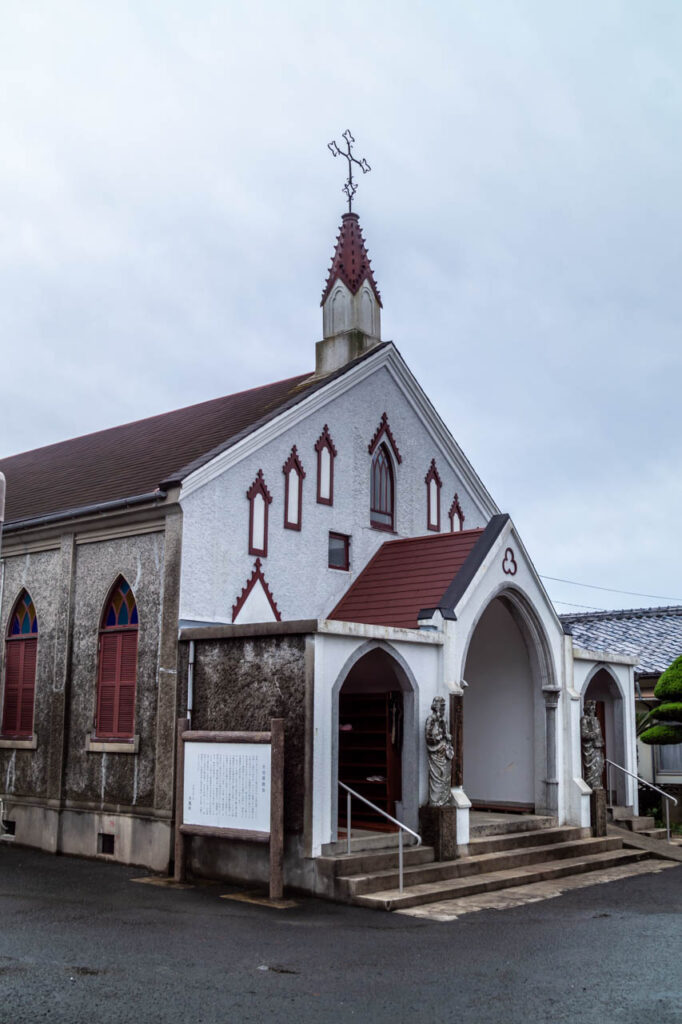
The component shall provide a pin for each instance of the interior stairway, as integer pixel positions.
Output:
(531, 849)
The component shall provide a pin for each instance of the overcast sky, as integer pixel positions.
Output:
(168, 208)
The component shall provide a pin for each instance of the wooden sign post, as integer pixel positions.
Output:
(231, 785)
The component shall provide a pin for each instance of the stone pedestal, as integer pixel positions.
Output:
(598, 812)
(438, 827)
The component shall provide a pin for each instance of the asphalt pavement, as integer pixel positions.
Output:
(81, 941)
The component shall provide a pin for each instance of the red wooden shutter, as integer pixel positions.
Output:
(20, 684)
(13, 660)
(117, 679)
(126, 683)
(106, 701)
(28, 686)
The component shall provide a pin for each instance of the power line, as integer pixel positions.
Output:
(611, 590)
(572, 604)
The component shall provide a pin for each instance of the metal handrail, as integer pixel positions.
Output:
(403, 828)
(645, 783)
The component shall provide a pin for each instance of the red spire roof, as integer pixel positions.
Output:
(350, 262)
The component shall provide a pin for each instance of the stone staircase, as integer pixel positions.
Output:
(643, 825)
(502, 855)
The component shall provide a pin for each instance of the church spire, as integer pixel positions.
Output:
(351, 303)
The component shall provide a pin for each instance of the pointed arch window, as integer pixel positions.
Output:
(259, 499)
(326, 453)
(456, 515)
(294, 475)
(117, 675)
(21, 653)
(382, 495)
(433, 485)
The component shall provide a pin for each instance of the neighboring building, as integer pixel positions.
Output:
(332, 557)
(654, 637)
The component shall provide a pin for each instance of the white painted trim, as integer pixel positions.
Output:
(29, 744)
(609, 657)
(388, 358)
(359, 629)
(94, 746)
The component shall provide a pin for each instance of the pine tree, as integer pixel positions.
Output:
(667, 717)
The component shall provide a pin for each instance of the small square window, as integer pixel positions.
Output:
(339, 551)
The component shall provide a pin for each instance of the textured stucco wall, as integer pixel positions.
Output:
(25, 772)
(109, 779)
(216, 562)
(240, 684)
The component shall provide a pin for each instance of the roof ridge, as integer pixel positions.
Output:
(673, 610)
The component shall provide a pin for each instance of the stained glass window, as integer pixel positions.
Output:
(24, 620)
(21, 652)
(118, 665)
(381, 497)
(121, 610)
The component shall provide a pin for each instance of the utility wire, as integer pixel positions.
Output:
(611, 590)
(572, 604)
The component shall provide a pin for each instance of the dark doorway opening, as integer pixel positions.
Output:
(370, 755)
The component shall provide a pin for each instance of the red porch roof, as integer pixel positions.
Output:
(405, 576)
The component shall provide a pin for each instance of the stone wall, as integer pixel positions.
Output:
(62, 788)
(240, 683)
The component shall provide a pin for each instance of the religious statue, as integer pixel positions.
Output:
(592, 743)
(441, 753)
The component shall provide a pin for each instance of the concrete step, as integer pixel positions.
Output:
(506, 824)
(366, 841)
(368, 861)
(455, 888)
(652, 833)
(620, 813)
(640, 823)
(536, 837)
(348, 887)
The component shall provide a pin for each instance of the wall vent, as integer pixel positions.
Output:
(105, 843)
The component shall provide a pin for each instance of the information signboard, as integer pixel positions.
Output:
(230, 785)
(227, 785)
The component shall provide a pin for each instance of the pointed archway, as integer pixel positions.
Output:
(509, 709)
(375, 741)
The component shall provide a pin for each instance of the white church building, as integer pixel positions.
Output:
(326, 553)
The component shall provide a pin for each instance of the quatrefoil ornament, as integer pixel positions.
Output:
(509, 565)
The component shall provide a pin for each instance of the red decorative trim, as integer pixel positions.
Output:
(456, 510)
(509, 565)
(256, 575)
(259, 487)
(293, 462)
(350, 262)
(325, 441)
(382, 429)
(432, 475)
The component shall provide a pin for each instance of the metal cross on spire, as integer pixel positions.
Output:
(350, 188)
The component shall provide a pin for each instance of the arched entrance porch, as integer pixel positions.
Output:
(604, 690)
(375, 738)
(509, 711)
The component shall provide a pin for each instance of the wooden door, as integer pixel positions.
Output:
(370, 749)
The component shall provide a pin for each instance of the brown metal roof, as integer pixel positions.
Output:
(136, 458)
(405, 576)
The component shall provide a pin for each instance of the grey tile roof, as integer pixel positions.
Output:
(655, 634)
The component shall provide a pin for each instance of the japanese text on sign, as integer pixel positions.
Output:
(227, 785)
